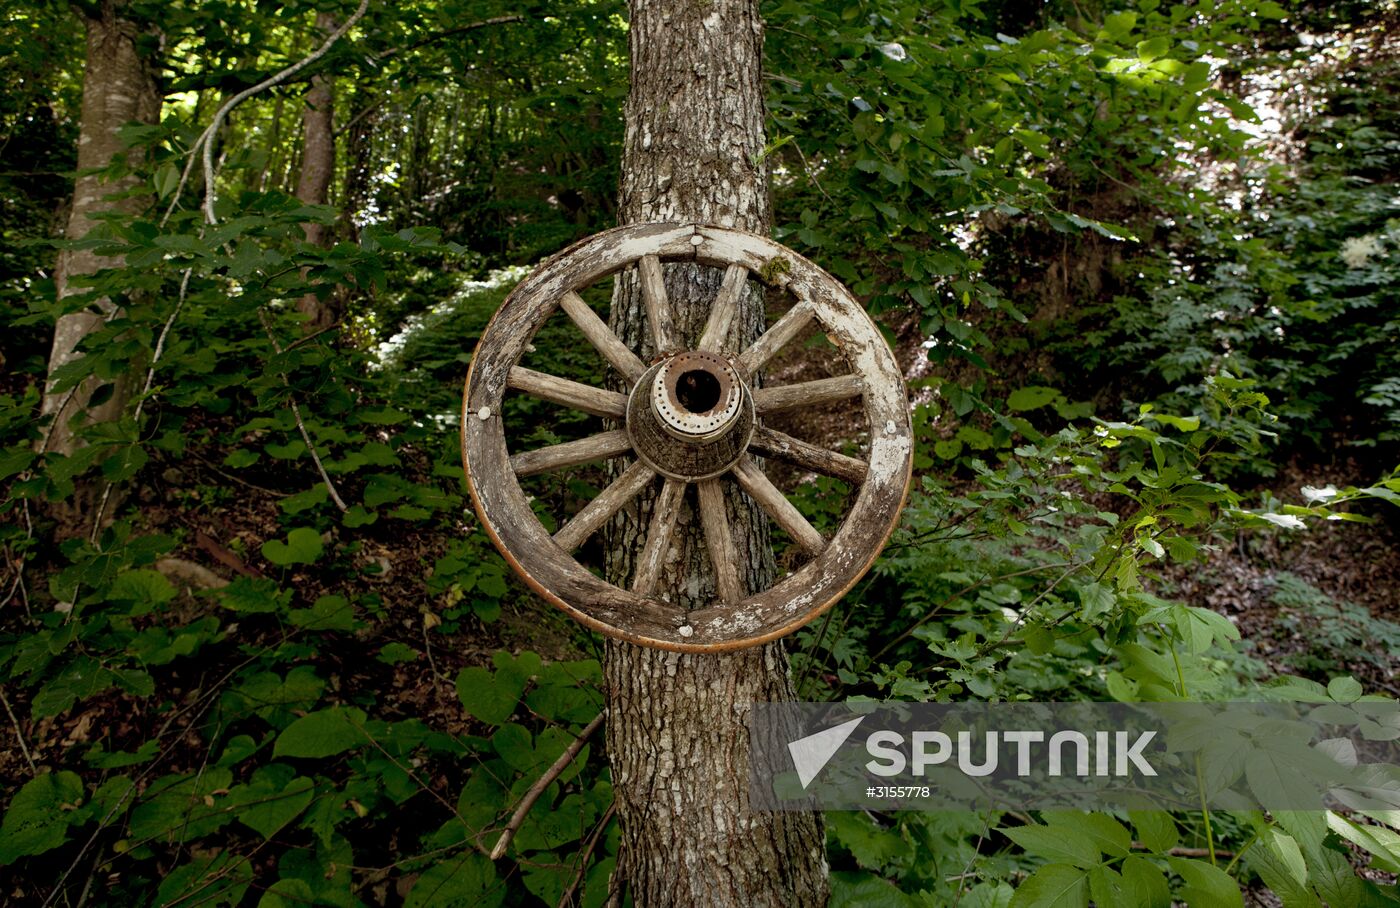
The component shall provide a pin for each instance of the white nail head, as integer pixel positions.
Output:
(483, 414)
(686, 630)
(697, 240)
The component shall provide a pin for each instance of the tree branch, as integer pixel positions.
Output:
(205, 142)
(543, 782)
(498, 20)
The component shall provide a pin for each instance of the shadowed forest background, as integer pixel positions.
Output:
(1140, 263)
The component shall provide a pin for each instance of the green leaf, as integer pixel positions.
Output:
(1153, 48)
(464, 881)
(303, 546)
(1207, 886)
(1095, 599)
(1119, 24)
(1107, 834)
(328, 613)
(1031, 398)
(1184, 423)
(269, 802)
(1058, 844)
(323, 733)
(396, 652)
(484, 698)
(1053, 886)
(850, 889)
(39, 815)
(1279, 863)
(1345, 690)
(1156, 829)
(302, 501)
(146, 589)
(1144, 884)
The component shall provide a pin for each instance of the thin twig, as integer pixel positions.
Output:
(205, 142)
(145, 392)
(498, 20)
(19, 733)
(543, 782)
(567, 898)
(301, 424)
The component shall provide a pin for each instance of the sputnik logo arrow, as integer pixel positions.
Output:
(811, 754)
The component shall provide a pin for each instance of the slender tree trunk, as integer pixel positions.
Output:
(317, 168)
(119, 87)
(677, 727)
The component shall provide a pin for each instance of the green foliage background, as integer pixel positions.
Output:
(1133, 302)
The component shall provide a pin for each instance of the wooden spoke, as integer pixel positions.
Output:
(609, 501)
(663, 526)
(569, 393)
(724, 308)
(772, 500)
(601, 336)
(808, 456)
(663, 330)
(807, 393)
(554, 457)
(714, 519)
(776, 337)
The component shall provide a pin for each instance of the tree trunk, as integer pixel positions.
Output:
(677, 726)
(317, 168)
(119, 87)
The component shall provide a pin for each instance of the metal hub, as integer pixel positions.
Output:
(697, 396)
(690, 416)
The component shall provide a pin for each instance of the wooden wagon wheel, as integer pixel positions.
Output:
(690, 417)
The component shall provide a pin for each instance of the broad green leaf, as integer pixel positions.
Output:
(39, 815)
(1156, 829)
(323, 733)
(1153, 48)
(1060, 844)
(1107, 834)
(1053, 886)
(461, 881)
(1207, 886)
(1144, 884)
(1031, 398)
(302, 501)
(485, 697)
(303, 546)
(270, 801)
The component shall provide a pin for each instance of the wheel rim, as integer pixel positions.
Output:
(638, 613)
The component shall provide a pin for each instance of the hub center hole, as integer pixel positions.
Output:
(697, 391)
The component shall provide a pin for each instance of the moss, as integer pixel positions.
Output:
(774, 269)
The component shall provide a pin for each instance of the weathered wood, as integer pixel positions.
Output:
(806, 455)
(725, 307)
(601, 336)
(663, 524)
(723, 555)
(808, 393)
(765, 614)
(772, 500)
(570, 453)
(594, 514)
(659, 316)
(569, 393)
(775, 338)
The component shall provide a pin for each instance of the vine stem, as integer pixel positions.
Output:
(543, 782)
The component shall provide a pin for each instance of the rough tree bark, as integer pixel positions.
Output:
(677, 726)
(317, 168)
(119, 87)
